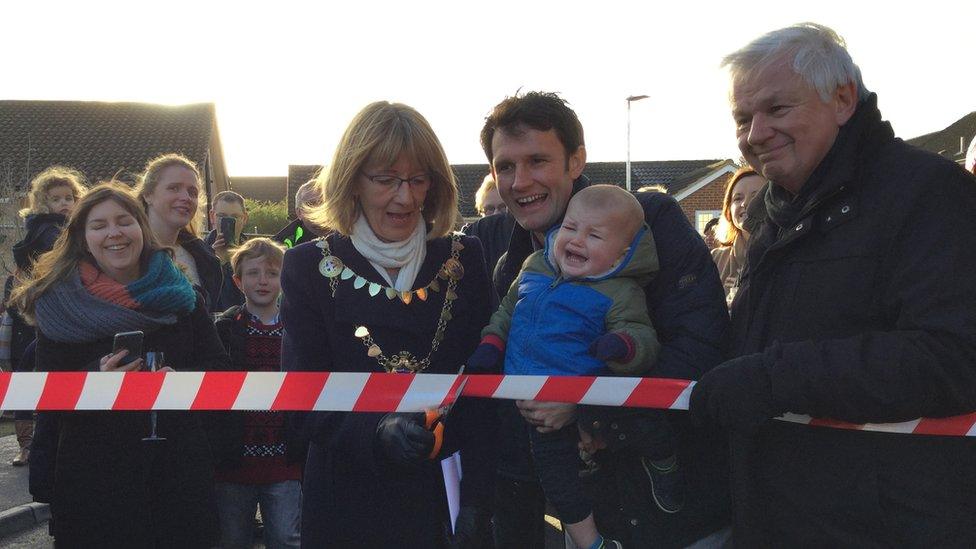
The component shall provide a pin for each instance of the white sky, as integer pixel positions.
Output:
(288, 76)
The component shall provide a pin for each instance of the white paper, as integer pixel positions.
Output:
(451, 468)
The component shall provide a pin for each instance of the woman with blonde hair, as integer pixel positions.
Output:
(391, 289)
(169, 190)
(108, 274)
(745, 186)
(53, 193)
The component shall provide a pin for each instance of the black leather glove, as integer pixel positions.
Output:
(737, 395)
(403, 439)
(471, 529)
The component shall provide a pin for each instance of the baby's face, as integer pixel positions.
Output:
(590, 241)
(61, 200)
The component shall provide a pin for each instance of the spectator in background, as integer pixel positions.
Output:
(300, 230)
(169, 190)
(259, 457)
(227, 204)
(856, 304)
(971, 157)
(53, 194)
(107, 275)
(733, 234)
(708, 235)
(495, 226)
(487, 200)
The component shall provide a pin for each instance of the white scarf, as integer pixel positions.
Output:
(407, 255)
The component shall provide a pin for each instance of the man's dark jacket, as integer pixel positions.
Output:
(686, 303)
(294, 233)
(858, 297)
(229, 295)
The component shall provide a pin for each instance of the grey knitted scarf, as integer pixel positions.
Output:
(69, 313)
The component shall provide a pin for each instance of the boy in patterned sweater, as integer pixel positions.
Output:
(259, 458)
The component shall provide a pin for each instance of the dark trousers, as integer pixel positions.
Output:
(557, 462)
(519, 509)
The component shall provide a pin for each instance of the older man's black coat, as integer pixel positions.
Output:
(859, 300)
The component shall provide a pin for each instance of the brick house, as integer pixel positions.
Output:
(101, 140)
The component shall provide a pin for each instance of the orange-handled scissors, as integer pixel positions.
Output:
(435, 417)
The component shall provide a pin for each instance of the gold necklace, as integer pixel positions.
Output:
(451, 271)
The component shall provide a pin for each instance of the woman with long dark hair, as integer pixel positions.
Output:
(108, 274)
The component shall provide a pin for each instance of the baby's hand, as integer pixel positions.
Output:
(485, 359)
(618, 347)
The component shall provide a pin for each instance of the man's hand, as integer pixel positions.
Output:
(220, 249)
(737, 395)
(590, 442)
(547, 417)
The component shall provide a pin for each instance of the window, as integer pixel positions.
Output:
(704, 216)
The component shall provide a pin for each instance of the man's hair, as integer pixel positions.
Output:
(306, 197)
(612, 198)
(254, 248)
(229, 196)
(542, 111)
(816, 53)
(710, 225)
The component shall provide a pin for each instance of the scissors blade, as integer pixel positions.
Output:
(446, 409)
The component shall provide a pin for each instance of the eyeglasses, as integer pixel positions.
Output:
(392, 182)
(489, 210)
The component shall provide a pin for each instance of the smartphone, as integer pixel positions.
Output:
(131, 341)
(228, 230)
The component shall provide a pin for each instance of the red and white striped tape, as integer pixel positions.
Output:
(367, 392)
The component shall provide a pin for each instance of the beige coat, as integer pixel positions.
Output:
(730, 260)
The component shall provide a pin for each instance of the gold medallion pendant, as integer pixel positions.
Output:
(330, 266)
(452, 271)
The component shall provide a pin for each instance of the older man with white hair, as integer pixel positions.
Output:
(856, 304)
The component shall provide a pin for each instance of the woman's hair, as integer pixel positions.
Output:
(254, 248)
(71, 246)
(48, 180)
(727, 232)
(378, 135)
(149, 180)
(487, 185)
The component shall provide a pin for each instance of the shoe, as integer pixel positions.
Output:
(667, 483)
(611, 544)
(23, 458)
(25, 435)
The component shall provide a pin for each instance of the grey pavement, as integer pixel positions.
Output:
(13, 480)
(22, 523)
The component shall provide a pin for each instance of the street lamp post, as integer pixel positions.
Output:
(630, 100)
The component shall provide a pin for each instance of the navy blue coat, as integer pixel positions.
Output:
(351, 496)
(687, 307)
(862, 308)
